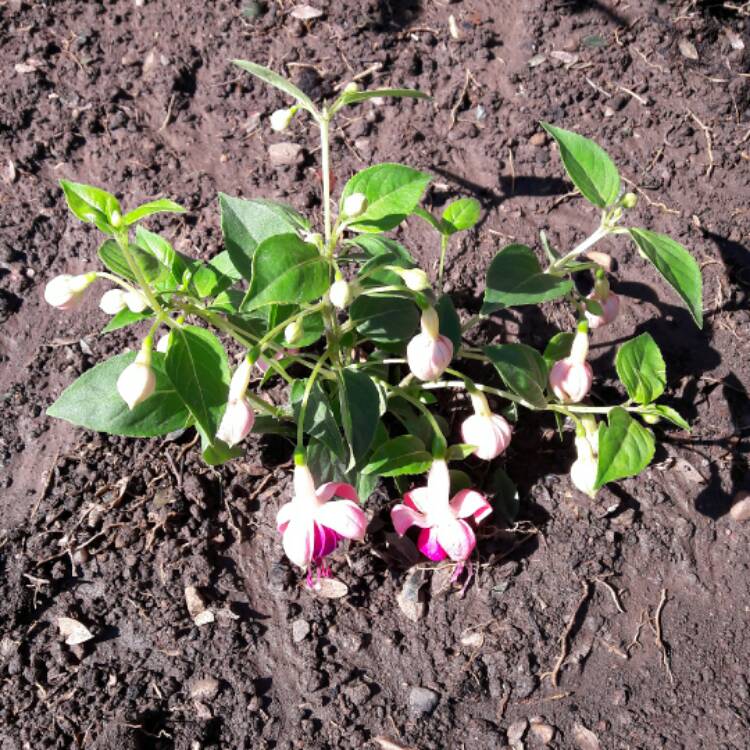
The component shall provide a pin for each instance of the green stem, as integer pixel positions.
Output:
(305, 399)
(396, 391)
(443, 250)
(262, 405)
(590, 241)
(116, 280)
(326, 176)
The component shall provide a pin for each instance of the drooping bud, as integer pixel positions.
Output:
(115, 219)
(341, 294)
(112, 301)
(571, 378)
(293, 332)
(610, 310)
(240, 380)
(237, 422)
(414, 278)
(163, 344)
(429, 353)
(138, 381)
(629, 200)
(354, 205)
(351, 88)
(489, 432)
(584, 468)
(65, 292)
(281, 118)
(136, 301)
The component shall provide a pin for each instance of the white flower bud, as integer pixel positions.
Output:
(136, 301)
(354, 205)
(293, 332)
(341, 294)
(430, 323)
(351, 88)
(236, 423)
(137, 381)
(584, 468)
(415, 279)
(163, 344)
(116, 219)
(65, 292)
(280, 119)
(113, 301)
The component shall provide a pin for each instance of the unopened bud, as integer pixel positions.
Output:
(65, 292)
(651, 418)
(280, 119)
(236, 423)
(136, 301)
(293, 332)
(137, 381)
(415, 279)
(115, 219)
(629, 200)
(351, 88)
(584, 469)
(163, 344)
(430, 323)
(113, 301)
(240, 380)
(354, 205)
(341, 294)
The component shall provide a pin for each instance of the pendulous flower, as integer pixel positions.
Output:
(571, 378)
(65, 292)
(608, 301)
(429, 352)
(239, 417)
(584, 468)
(489, 433)
(311, 525)
(113, 301)
(444, 532)
(138, 381)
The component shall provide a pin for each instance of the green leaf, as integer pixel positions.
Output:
(667, 412)
(353, 97)
(505, 495)
(360, 412)
(450, 323)
(392, 191)
(215, 276)
(588, 166)
(516, 278)
(265, 424)
(430, 219)
(283, 84)
(286, 270)
(676, 265)
(522, 369)
(461, 215)
(163, 252)
(197, 365)
(90, 204)
(402, 455)
(382, 251)
(641, 369)
(246, 223)
(93, 402)
(163, 205)
(384, 319)
(125, 318)
(558, 347)
(110, 254)
(459, 451)
(625, 447)
(320, 422)
(217, 453)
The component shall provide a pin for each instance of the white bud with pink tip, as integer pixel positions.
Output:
(65, 292)
(239, 418)
(429, 352)
(489, 433)
(571, 378)
(137, 381)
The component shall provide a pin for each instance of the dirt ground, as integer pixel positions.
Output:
(641, 598)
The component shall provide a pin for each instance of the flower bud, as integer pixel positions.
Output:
(489, 432)
(571, 378)
(629, 200)
(651, 418)
(237, 422)
(293, 332)
(415, 279)
(112, 301)
(137, 381)
(136, 301)
(429, 353)
(341, 294)
(584, 468)
(351, 88)
(65, 292)
(354, 205)
(591, 430)
(163, 344)
(280, 119)
(240, 380)
(610, 310)
(115, 219)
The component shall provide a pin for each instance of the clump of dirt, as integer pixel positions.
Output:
(616, 623)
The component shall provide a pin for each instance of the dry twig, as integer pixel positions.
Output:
(709, 143)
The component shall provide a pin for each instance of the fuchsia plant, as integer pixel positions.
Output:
(335, 314)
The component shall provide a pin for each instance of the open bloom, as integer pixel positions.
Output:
(444, 532)
(429, 353)
(571, 378)
(239, 417)
(311, 525)
(65, 292)
(137, 381)
(489, 432)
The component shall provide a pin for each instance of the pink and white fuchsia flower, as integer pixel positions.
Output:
(312, 525)
(429, 352)
(607, 299)
(489, 433)
(239, 417)
(571, 378)
(444, 530)
(65, 292)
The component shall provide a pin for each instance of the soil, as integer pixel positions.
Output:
(640, 597)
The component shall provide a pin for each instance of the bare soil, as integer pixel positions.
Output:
(640, 598)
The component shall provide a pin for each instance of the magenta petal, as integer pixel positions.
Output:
(467, 503)
(404, 517)
(429, 546)
(326, 541)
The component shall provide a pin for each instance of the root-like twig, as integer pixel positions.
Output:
(709, 143)
(656, 627)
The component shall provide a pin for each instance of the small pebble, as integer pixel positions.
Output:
(423, 700)
(516, 731)
(285, 153)
(300, 630)
(740, 511)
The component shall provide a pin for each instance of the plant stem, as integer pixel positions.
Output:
(582, 247)
(305, 399)
(323, 123)
(443, 250)
(396, 391)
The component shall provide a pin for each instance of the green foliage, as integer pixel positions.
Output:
(522, 369)
(163, 205)
(279, 82)
(400, 456)
(91, 205)
(461, 215)
(626, 447)
(360, 412)
(112, 256)
(384, 319)
(641, 369)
